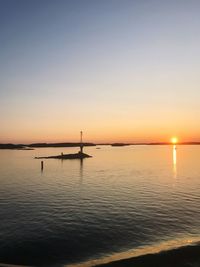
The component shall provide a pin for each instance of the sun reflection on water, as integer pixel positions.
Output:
(175, 161)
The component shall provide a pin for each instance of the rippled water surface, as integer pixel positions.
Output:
(124, 198)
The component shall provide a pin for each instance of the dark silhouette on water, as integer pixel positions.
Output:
(40, 145)
(41, 167)
(79, 155)
(119, 144)
(13, 146)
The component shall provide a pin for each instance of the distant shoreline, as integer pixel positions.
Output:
(41, 145)
(70, 144)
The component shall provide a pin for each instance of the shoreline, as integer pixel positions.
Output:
(173, 253)
(180, 257)
(183, 256)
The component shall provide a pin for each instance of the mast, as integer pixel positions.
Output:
(81, 141)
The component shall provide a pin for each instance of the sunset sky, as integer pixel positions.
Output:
(120, 70)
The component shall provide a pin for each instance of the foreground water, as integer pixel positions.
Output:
(125, 201)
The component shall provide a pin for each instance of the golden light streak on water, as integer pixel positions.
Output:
(175, 161)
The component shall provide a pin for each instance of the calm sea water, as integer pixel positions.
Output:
(123, 199)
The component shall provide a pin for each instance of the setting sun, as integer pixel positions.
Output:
(174, 140)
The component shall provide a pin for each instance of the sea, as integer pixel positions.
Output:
(123, 202)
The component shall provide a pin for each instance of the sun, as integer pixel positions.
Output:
(174, 140)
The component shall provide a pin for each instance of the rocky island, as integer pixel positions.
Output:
(79, 155)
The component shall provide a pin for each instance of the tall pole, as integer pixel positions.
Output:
(81, 137)
(81, 141)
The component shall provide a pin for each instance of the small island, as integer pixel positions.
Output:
(119, 144)
(17, 147)
(79, 155)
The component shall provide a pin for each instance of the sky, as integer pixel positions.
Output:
(119, 70)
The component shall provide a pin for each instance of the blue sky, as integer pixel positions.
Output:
(119, 70)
